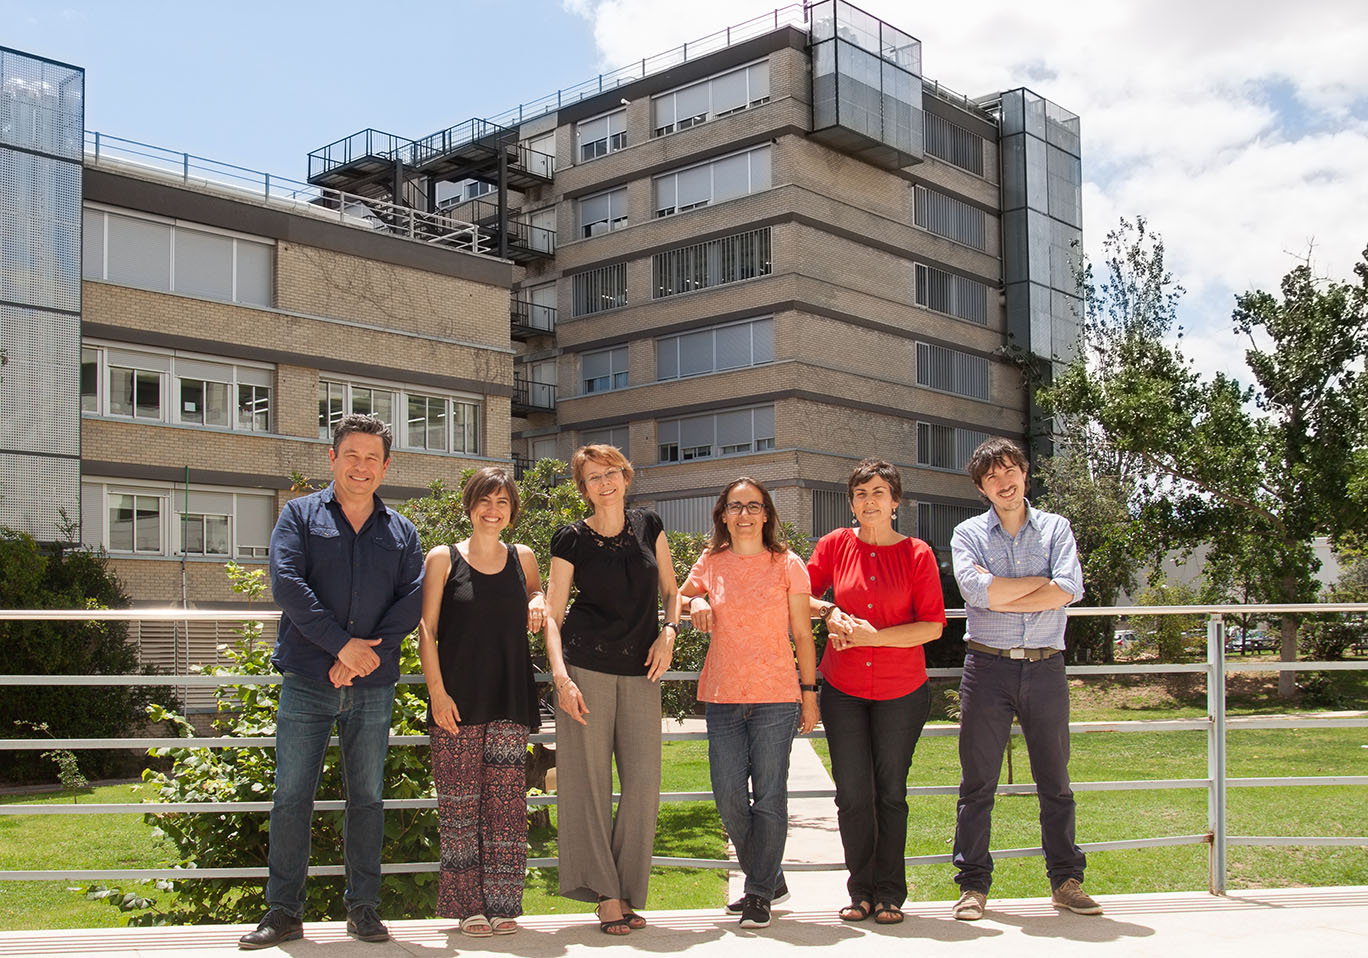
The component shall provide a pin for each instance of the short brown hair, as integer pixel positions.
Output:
(603, 454)
(486, 482)
(721, 535)
(366, 425)
(874, 468)
(995, 452)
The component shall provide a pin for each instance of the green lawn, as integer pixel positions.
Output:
(693, 829)
(86, 841)
(1120, 815)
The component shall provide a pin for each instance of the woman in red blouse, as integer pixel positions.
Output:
(875, 698)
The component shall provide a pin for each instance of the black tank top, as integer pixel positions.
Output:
(482, 643)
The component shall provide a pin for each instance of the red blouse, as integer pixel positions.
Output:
(886, 586)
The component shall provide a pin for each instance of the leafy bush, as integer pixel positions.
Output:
(239, 839)
(64, 576)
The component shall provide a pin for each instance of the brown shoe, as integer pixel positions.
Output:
(970, 905)
(1071, 895)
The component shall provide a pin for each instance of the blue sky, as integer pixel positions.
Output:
(1239, 129)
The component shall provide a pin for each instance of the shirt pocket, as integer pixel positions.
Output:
(325, 543)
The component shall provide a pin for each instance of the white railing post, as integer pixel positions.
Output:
(1216, 751)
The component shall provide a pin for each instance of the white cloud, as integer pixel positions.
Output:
(1239, 129)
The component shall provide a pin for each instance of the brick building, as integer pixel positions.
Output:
(771, 252)
(178, 347)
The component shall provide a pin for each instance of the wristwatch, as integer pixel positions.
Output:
(671, 625)
(805, 687)
(826, 613)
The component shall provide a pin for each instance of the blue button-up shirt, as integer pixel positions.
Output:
(333, 583)
(1043, 546)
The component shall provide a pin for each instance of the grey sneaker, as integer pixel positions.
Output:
(1071, 895)
(756, 913)
(970, 905)
(781, 894)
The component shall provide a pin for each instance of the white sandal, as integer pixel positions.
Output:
(476, 926)
(502, 925)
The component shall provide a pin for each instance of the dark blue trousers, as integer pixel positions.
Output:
(992, 690)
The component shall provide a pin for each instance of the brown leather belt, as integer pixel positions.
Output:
(1030, 655)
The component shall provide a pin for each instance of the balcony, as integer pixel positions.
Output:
(525, 241)
(472, 150)
(532, 397)
(532, 319)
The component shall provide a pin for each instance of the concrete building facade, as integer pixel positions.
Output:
(772, 257)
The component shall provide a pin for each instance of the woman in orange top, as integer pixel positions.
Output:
(757, 592)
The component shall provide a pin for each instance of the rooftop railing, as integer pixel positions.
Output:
(1215, 723)
(246, 185)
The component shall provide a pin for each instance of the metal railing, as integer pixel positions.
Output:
(531, 318)
(533, 395)
(304, 199)
(1215, 723)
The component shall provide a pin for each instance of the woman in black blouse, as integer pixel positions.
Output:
(607, 657)
(472, 640)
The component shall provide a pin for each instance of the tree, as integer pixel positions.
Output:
(1098, 484)
(1287, 469)
(64, 576)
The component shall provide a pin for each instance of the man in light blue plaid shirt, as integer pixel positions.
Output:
(1017, 568)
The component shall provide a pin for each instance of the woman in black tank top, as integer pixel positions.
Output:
(482, 704)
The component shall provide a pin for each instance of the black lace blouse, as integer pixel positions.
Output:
(613, 621)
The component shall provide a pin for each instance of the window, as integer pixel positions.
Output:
(946, 447)
(952, 294)
(716, 348)
(936, 521)
(167, 519)
(604, 370)
(612, 436)
(453, 192)
(692, 514)
(177, 388)
(177, 257)
(737, 175)
(711, 98)
(952, 371)
(598, 289)
(434, 423)
(602, 135)
(726, 260)
(953, 144)
(135, 524)
(731, 433)
(954, 219)
(603, 212)
(830, 510)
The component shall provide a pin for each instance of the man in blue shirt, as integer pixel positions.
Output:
(1017, 568)
(347, 573)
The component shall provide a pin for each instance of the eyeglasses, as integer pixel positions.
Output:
(599, 477)
(749, 508)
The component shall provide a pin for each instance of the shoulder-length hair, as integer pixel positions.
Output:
(721, 535)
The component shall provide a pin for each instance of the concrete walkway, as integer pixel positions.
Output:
(1331, 922)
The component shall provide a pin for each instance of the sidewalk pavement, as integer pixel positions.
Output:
(1245, 924)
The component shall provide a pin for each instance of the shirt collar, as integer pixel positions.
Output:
(1032, 518)
(330, 495)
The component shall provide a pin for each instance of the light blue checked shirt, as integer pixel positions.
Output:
(1043, 546)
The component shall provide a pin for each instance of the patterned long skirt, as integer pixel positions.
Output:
(482, 809)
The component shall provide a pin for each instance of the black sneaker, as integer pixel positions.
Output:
(365, 925)
(781, 894)
(755, 913)
(278, 925)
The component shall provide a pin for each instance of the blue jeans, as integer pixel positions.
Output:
(992, 690)
(304, 722)
(748, 760)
